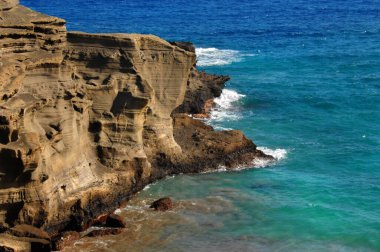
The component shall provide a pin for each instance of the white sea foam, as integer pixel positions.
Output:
(146, 187)
(224, 106)
(221, 168)
(278, 154)
(227, 98)
(216, 57)
(220, 128)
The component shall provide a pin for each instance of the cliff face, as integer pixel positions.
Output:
(86, 120)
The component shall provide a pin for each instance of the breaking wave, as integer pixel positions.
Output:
(226, 109)
(278, 154)
(227, 98)
(224, 106)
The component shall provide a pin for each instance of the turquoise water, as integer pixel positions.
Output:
(310, 75)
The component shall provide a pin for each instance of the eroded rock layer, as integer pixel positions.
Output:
(86, 120)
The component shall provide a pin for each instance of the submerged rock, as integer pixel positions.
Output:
(105, 231)
(115, 221)
(162, 204)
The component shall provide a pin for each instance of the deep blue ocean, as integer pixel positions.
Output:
(305, 86)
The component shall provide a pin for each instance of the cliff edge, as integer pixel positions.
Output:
(87, 120)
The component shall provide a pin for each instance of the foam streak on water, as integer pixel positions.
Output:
(216, 57)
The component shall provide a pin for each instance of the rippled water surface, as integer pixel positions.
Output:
(305, 86)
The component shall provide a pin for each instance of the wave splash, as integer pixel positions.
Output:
(278, 154)
(216, 57)
(227, 98)
(224, 106)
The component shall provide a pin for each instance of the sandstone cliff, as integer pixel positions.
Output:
(86, 120)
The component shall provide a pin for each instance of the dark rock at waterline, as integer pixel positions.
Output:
(115, 221)
(210, 148)
(99, 221)
(162, 204)
(108, 220)
(105, 231)
(112, 225)
(202, 88)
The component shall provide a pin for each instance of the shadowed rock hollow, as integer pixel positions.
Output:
(86, 120)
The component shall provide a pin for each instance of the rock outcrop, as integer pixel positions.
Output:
(86, 120)
(202, 88)
(162, 204)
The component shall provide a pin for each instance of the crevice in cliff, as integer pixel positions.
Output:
(18, 36)
(97, 61)
(11, 166)
(126, 101)
(12, 211)
(4, 134)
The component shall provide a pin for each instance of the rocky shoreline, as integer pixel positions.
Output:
(87, 120)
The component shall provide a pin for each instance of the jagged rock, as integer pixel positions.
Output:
(162, 204)
(86, 120)
(211, 149)
(205, 113)
(115, 221)
(202, 89)
(188, 46)
(107, 220)
(99, 221)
